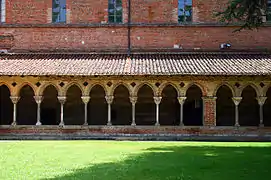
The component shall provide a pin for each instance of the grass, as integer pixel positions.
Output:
(119, 160)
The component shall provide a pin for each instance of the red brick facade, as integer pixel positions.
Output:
(154, 26)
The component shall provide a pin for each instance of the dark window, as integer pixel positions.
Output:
(268, 10)
(184, 11)
(114, 11)
(59, 11)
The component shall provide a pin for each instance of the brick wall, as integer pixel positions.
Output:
(45, 36)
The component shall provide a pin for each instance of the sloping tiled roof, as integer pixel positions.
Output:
(139, 64)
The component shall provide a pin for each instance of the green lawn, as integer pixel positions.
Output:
(117, 160)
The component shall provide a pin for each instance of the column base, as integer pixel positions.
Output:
(85, 124)
(109, 124)
(237, 125)
(157, 124)
(261, 125)
(181, 124)
(38, 124)
(133, 124)
(13, 123)
(61, 124)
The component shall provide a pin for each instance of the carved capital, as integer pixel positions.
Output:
(261, 100)
(109, 99)
(62, 99)
(85, 99)
(14, 99)
(209, 98)
(181, 100)
(38, 99)
(237, 100)
(133, 100)
(157, 100)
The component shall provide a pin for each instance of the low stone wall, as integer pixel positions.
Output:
(136, 133)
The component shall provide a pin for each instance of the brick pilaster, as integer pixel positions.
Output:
(209, 111)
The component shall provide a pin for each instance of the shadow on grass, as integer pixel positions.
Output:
(185, 163)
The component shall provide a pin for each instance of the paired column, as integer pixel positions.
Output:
(62, 100)
(181, 101)
(209, 111)
(261, 101)
(237, 101)
(38, 100)
(85, 100)
(157, 101)
(133, 100)
(15, 100)
(109, 100)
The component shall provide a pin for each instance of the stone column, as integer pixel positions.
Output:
(109, 100)
(62, 100)
(157, 101)
(85, 100)
(209, 111)
(261, 101)
(15, 100)
(133, 100)
(181, 101)
(38, 100)
(237, 101)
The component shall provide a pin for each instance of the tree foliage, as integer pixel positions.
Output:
(251, 13)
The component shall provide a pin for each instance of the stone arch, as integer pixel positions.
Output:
(265, 89)
(97, 107)
(27, 106)
(89, 89)
(145, 106)
(226, 85)
(8, 86)
(225, 108)
(26, 84)
(200, 86)
(138, 87)
(249, 108)
(169, 106)
(47, 84)
(255, 87)
(115, 86)
(50, 106)
(164, 85)
(6, 106)
(74, 106)
(67, 87)
(193, 107)
(121, 112)
(267, 109)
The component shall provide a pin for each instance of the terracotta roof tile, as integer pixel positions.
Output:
(139, 64)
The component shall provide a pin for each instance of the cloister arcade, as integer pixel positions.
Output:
(135, 103)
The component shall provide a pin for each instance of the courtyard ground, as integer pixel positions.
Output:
(120, 160)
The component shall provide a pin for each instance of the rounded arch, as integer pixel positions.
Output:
(21, 86)
(7, 85)
(138, 87)
(225, 85)
(249, 107)
(121, 84)
(121, 107)
(255, 87)
(88, 91)
(166, 84)
(225, 108)
(67, 87)
(45, 85)
(201, 87)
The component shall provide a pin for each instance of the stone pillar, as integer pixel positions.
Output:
(181, 101)
(85, 100)
(157, 101)
(209, 111)
(62, 100)
(133, 100)
(261, 101)
(15, 100)
(38, 100)
(109, 100)
(237, 101)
